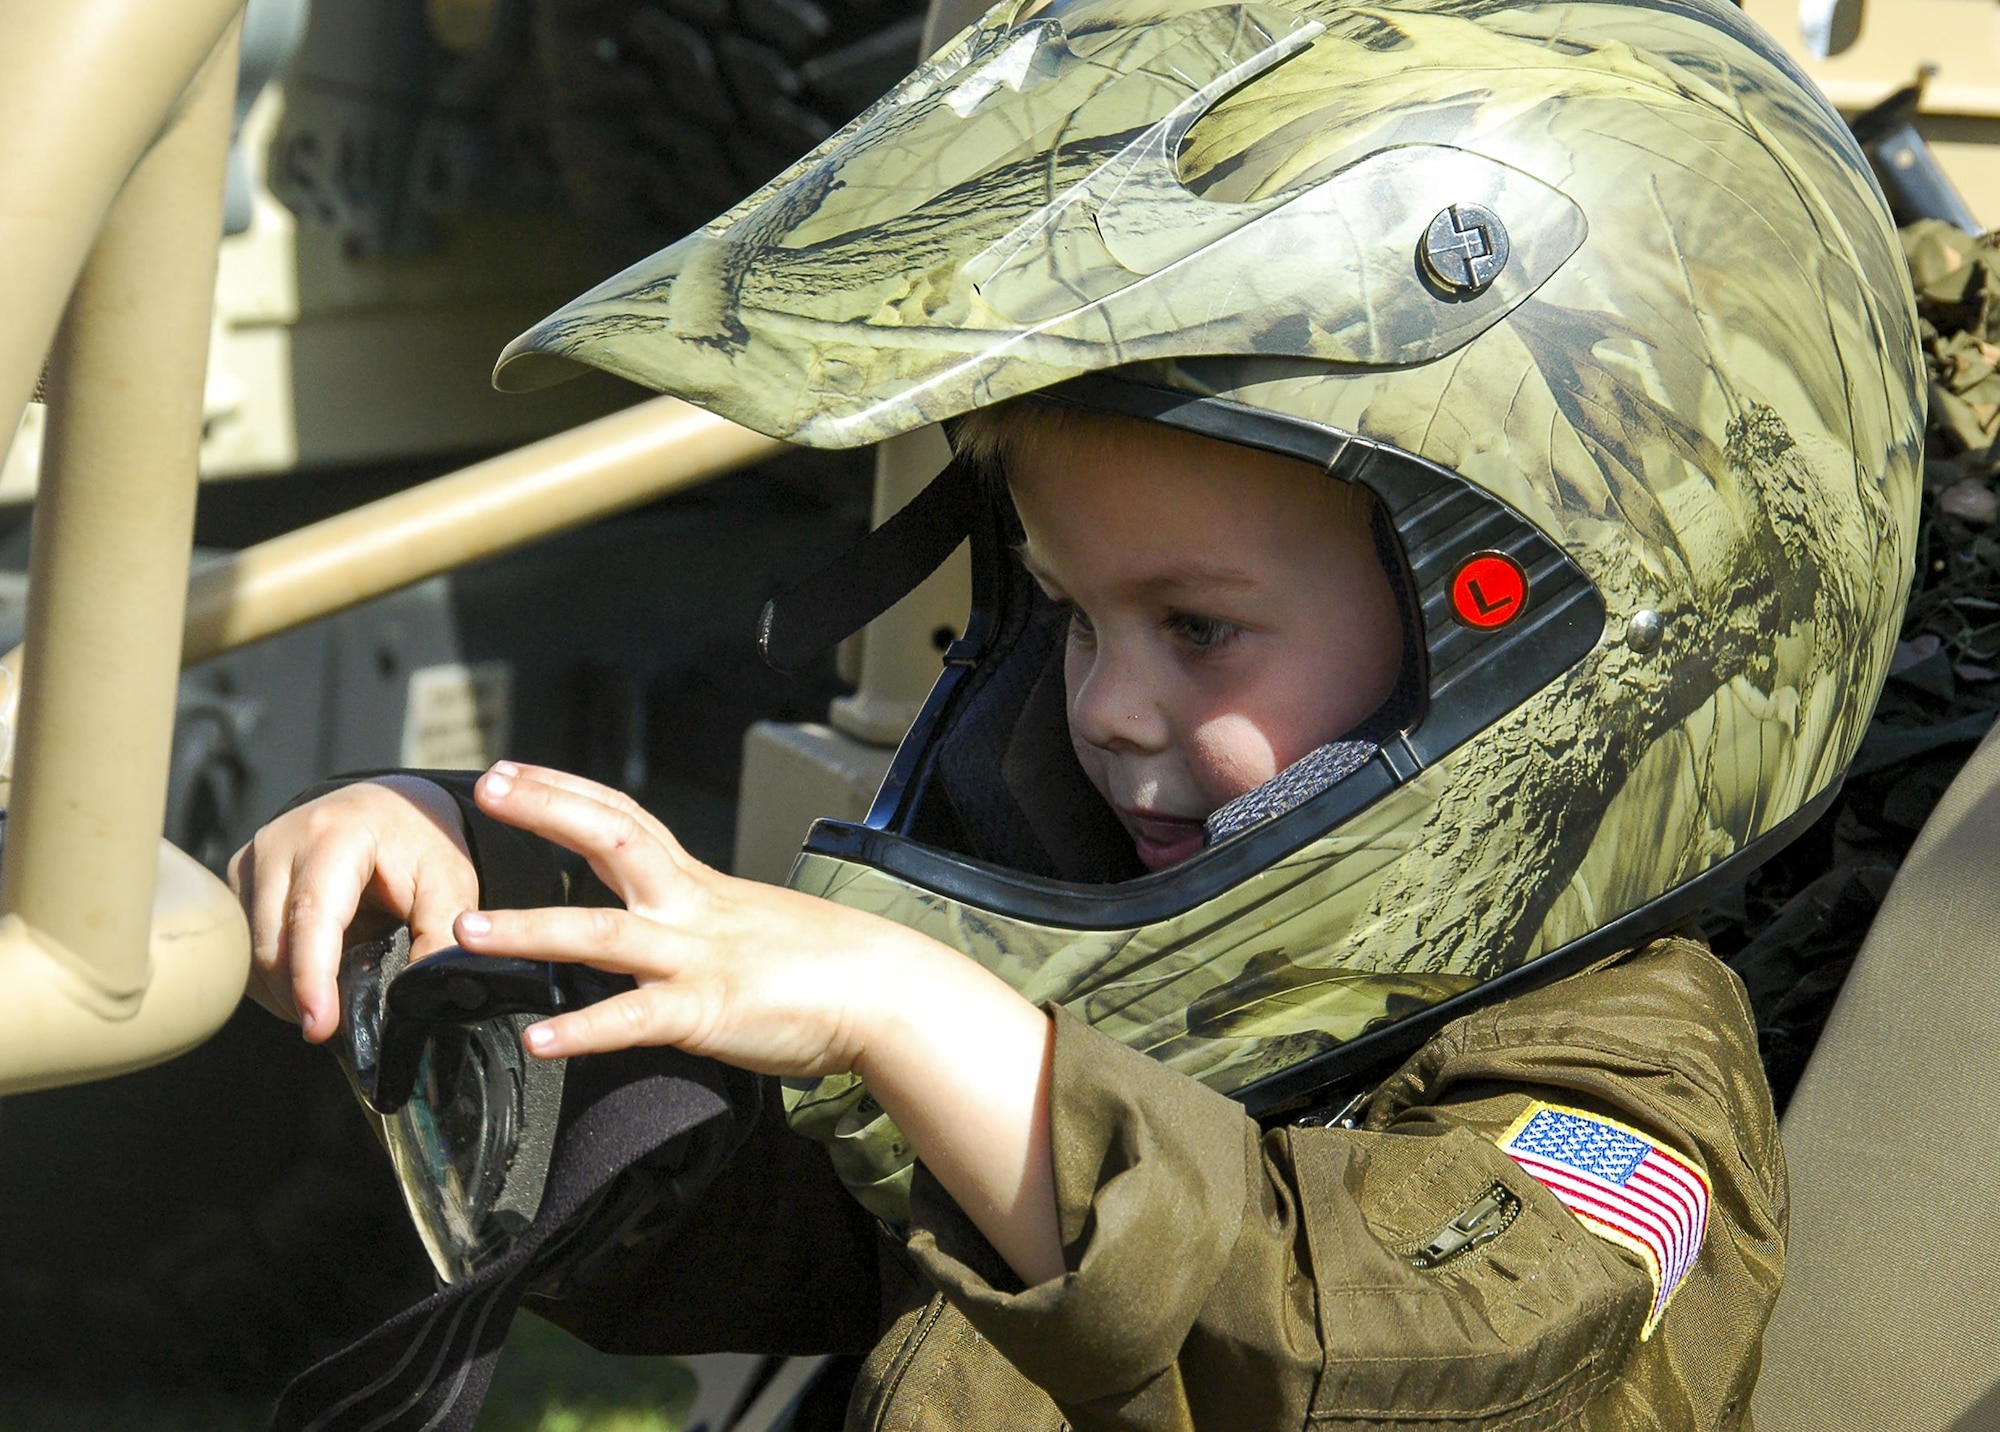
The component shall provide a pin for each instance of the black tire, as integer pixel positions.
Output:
(663, 113)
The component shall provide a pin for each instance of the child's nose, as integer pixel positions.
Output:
(1117, 703)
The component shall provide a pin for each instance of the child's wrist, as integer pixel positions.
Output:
(961, 1062)
(941, 1030)
(913, 986)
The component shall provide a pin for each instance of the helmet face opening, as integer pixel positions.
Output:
(1044, 847)
(987, 834)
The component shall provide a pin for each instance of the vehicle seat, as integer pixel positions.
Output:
(1889, 1318)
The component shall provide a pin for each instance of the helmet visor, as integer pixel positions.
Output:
(1048, 234)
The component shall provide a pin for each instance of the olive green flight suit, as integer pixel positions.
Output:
(1225, 1277)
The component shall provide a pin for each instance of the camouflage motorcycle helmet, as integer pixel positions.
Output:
(1598, 299)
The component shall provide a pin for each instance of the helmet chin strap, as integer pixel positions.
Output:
(870, 577)
(427, 1369)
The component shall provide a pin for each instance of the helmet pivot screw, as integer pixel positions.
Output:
(1644, 631)
(1464, 249)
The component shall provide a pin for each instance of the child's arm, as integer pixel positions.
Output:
(783, 983)
(1413, 1270)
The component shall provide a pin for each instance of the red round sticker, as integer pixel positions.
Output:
(1490, 590)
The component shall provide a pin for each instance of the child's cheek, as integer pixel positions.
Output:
(1095, 763)
(1230, 754)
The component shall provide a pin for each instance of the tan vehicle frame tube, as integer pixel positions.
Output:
(565, 481)
(114, 952)
(89, 85)
(107, 576)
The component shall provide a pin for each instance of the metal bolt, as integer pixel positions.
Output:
(1644, 631)
(1464, 249)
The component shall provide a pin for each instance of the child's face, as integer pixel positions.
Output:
(1230, 614)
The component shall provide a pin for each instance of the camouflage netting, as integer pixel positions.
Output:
(1793, 929)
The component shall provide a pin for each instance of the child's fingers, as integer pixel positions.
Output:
(609, 939)
(516, 773)
(654, 1014)
(263, 902)
(265, 886)
(561, 780)
(440, 891)
(630, 851)
(319, 904)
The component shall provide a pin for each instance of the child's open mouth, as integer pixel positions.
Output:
(1162, 840)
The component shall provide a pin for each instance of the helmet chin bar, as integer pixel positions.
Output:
(1318, 1083)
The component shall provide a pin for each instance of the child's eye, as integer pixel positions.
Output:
(1201, 632)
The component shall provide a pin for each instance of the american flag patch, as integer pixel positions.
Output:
(1622, 1185)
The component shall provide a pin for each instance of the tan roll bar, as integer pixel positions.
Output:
(116, 950)
(565, 481)
(570, 480)
(90, 84)
(113, 953)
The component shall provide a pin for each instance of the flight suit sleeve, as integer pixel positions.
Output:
(1224, 1277)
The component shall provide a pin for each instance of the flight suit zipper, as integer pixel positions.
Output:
(1481, 1221)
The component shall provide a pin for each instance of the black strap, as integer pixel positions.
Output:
(427, 1369)
(804, 621)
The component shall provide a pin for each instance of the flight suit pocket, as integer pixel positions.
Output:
(1453, 1289)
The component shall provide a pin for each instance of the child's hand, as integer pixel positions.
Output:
(752, 974)
(772, 980)
(395, 843)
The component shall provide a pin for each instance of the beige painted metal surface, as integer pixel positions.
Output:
(1958, 40)
(562, 482)
(320, 357)
(70, 145)
(21, 463)
(793, 774)
(93, 978)
(1885, 1320)
(56, 1026)
(326, 357)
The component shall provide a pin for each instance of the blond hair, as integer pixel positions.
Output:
(992, 439)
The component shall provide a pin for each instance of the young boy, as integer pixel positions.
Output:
(1227, 615)
(1454, 608)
